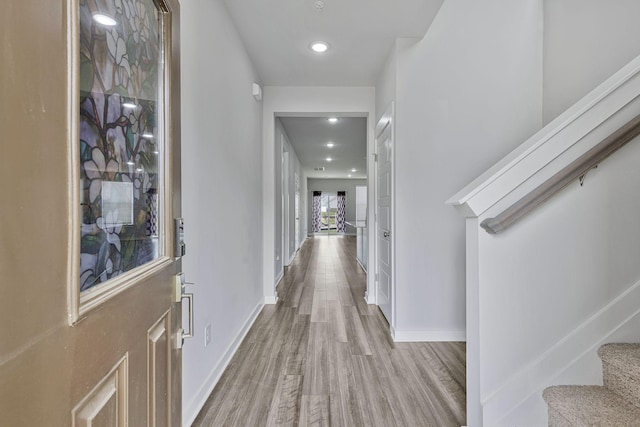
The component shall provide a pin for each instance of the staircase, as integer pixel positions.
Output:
(616, 404)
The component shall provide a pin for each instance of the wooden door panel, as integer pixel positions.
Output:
(384, 288)
(52, 373)
(106, 405)
(384, 190)
(384, 217)
(159, 368)
(385, 252)
(32, 109)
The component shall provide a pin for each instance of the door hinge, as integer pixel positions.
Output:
(376, 277)
(375, 157)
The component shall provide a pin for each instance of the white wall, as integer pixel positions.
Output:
(302, 101)
(221, 192)
(585, 42)
(334, 185)
(282, 259)
(546, 283)
(567, 274)
(466, 94)
(386, 84)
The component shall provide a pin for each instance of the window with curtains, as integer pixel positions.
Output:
(329, 212)
(317, 211)
(342, 212)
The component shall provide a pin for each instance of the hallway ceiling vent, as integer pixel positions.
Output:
(320, 169)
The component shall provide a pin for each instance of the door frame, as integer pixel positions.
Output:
(306, 102)
(296, 212)
(387, 119)
(286, 220)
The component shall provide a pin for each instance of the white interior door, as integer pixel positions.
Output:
(286, 215)
(384, 204)
(297, 211)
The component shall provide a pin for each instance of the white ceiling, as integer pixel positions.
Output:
(309, 137)
(277, 34)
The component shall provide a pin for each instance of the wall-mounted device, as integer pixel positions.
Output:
(256, 91)
(180, 248)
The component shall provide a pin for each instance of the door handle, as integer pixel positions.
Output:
(386, 234)
(180, 294)
(190, 298)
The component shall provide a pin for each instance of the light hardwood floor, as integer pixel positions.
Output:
(323, 357)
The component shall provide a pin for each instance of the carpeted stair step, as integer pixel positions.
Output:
(621, 368)
(587, 406)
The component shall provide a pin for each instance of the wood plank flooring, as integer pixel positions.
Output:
(323, 357)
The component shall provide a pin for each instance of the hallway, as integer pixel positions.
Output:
(322, 356)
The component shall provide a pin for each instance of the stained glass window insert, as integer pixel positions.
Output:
(121, 138)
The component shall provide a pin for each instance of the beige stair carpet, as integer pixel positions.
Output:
(616, 404)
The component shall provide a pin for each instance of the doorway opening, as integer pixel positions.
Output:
(329, 215)
(322, 165)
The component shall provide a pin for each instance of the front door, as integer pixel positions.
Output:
(384, 204)
(90, 184)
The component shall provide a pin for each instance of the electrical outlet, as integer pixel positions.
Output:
(207, 334)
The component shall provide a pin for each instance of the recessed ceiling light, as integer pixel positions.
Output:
(139, 170)
(330, 144)
(156, 152)
(147, 135)
(349, 175)
(105, 20)
(329, 159)
(130, 163)
(332, 119)
(129, 105)
(319, 46)
(354, 170)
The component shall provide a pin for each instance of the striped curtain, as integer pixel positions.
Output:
(152, 213)
(317, 211)
(342, 212)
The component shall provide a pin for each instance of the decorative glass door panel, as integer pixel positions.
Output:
(121, 137)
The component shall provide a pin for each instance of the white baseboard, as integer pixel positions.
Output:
(369, 298)
(271, 299)
(361, 266)
(427, 336)
(293, 256)
(279, 277)
(192, 410)
(540, 373)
